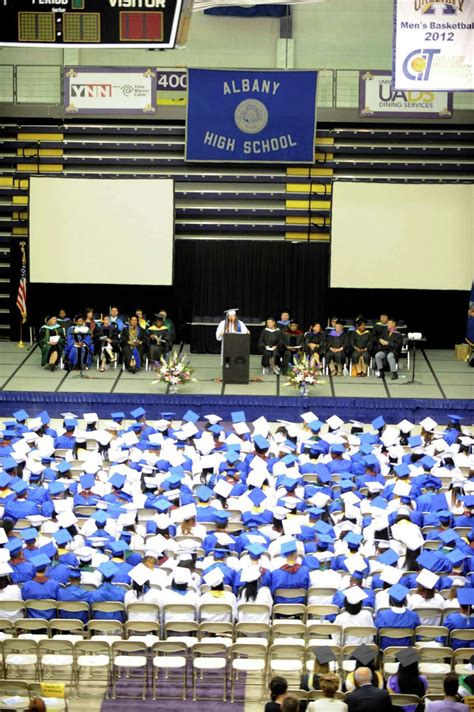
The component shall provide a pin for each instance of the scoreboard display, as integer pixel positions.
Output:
(94, 23)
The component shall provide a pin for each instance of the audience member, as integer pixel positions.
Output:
(450, 703)
(278, 688)
(329, 685)
(366, 697)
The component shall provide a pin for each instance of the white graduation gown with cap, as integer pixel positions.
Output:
(237, 327)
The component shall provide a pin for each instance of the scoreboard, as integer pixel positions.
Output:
(93, 23)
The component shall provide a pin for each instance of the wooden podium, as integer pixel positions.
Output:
(236, 358)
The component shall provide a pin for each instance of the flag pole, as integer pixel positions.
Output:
(21, 343)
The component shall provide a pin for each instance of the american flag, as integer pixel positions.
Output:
(21, 297)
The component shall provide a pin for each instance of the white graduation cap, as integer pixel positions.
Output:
(205, 444)
(354, 595)
(103, 437)
(390, 437)
(140, 574)
(209, 462)
(4, 556)
(213, 419)
(391, 575)
(279, 468)
(428, 424)
(427, 579)
(233, 439)
(223, 539)
(231, 312)
(261, 426)
(405, 426)
(189, 429)
(374, 486)
(66, 519)
(292, 525)
(409, 534)
(223, 488)
(188, 511)
(309, 416)
(241, 428)
(249, 574)
(182, 576)
(402, 489)
(334, 422)
(3, 536)
(214, 577)
(35, 424)
(90, 418)
(280, 513)
(319, 499)
(258, 463)
(129, 438)
(5, 569)
(355, 562)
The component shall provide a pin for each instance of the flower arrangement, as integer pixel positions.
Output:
(302, 374)
(175, 370)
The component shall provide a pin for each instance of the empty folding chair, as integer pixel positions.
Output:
(182, 632)
(106, 631)
(429, 635)
(435, 663)
(66, 629)
(169, 657)
(17, 689)
(286, 631)
(252, 632)
(56, 657)
(93, 657)
(6, 629)
(212, 632)
(41, 608)
(461, 658)
(289, 610)
(207, 660)
(251, 659)
(32, 629)
(144, 631)
(129, 658)
(21, 658)
(323, 633)
(286, 660)
(108, 610)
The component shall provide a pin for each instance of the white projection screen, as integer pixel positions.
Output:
(410, 236)
(101, 231)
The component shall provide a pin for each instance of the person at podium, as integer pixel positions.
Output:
(230, 325)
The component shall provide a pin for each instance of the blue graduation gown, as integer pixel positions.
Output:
(391, 619)
(24, 571)
(74, 593)
(286, 578)
(39, 590)
(108, 592)
(459, 620)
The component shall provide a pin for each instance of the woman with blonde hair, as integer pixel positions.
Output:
(329, 684)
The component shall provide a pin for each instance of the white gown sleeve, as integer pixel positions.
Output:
(220, 330)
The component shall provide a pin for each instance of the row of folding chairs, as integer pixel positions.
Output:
(398, 700)
(23, 692)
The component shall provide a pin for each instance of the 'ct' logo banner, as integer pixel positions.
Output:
(433, 45)
(257, 115)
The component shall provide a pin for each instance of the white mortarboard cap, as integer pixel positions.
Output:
(320, 499)
(261, 426)
(213, 418)
(409, 534)
(84, 553)
(140, 574)
(390, 436)
(280, 513)
(428, 424)
(189, 429)
(130, 438)
(223, 488)
(427, 579)
(90, 418)
(103, 437)
(66, 519)
(354, 595)
(214, 577)
(4, 556)
(405, 426)
(35, 424)
(335, 422)
(186, 512)
(182, 575)
(402, 489)
(5, 569)
(162, 521)
(249, 574)
(391, 575)
(232, 311)
(374, 486)
(309, 416)
(3, 536)
(241, 428)
(162, 424)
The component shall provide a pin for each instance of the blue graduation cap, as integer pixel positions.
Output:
(204, 493)
(238, 416)
(8, 463)
(19, 487)
(87, 481)
(456, 557)
(428, 462)
(117, 547)
(118, 416)
(306, 534)
(289, 460)
(161, 504)
(20, 415)
(136, 426)
(29, 534)
(261, 442)
(415, 441)
(40, 561)
(366, 448)
(250, 520)
(5, 479)
(117, 480)
(8, 434)
(108, 569)
(398, 592)
(444, 514)
(56, 488)
(315, 426)
(324, 539)
(465, 596)
(48, 550)
(323, 472)
(314, 512)
(256, 496)
(100, 516)
(353, 540)
(62, 536)
(14, 545)
(402, 470)
(337, 449)
(438, 502)
(221, 516)
(453, 417)
(469, 501)
(191, 417)
(288, 548)
(44, 417)
(427, 560)
(378, 423)
(430, 481)
(138, 413)
(346, 485)
(255, 550)
(232, 456)
(70, 423)
(74, 573)
(215, 429)
(322, 527)
(379, 502)
(63, 467)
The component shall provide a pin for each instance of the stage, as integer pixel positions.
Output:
(446, 385)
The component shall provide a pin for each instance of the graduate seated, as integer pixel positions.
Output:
(51, 342)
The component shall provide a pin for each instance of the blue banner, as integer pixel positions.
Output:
(251, 115)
